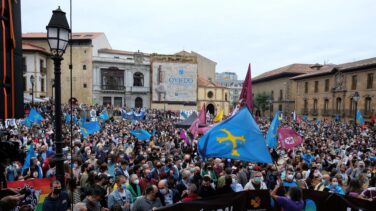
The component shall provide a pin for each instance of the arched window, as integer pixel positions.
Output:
(225, 96)
(326, 105)
(138, 102)
(367, 105)
(138, 79)
(338, 105)
(210, 94)
(315, 105)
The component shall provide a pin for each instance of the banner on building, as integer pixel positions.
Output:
(174, 82)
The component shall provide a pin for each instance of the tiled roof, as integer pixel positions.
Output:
(75, 35)
(289, 69)
(205, 83)
(31, 47)
(326, 69)
(357, 64)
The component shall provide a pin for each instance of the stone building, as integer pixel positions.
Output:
(34, 64)
(330, 91)
(85, 46)
(121, 78)
(213, 96)
(277, 84)
(230, 80)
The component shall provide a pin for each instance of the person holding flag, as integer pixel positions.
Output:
(271, 136)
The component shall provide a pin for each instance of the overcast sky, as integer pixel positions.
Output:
(268, 33)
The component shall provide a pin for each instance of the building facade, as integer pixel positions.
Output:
(230, 80)
(213, 96)
(84, 47)
(278, 86)
(329, 92)
(121, 78)
(34, 64)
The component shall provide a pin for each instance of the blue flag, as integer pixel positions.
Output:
(67, 118)
(103, 115)
(183, 114)
(308, 158)
(141, 134)
(30, 154)
(88, 128)
(359, 118)
(305, 118)
(238, 137)
(272, 136)
(337, 117)
(34, 116)
(139, 116)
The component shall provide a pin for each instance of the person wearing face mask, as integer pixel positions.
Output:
(121, 196)
(149, 201)
(92, 200)
(57, 199)
(236, 186)
(289, 180)
(134, 187)
(166, 195)
(256, 183)
(334, 187)
(183, 183)
(206, 189)
(122, 169)
(325, 180)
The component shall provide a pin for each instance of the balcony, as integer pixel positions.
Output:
(139, 89)
(112, 88)
(314, 112)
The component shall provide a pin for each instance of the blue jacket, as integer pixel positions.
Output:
(115, 198)
(338, 189)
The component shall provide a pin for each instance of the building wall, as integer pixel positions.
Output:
(288, 87)
(345, 94)
(32, 62)
(218, 100)
(205, 67)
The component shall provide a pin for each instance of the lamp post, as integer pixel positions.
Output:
(58, 37)
(52, 87)
(355, 98)
(269, 101)
(32, 79)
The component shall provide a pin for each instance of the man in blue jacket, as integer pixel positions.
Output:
(121, 196)
(57, 200)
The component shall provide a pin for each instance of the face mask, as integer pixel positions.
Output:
(124, 186)
(163, 191)
(234, 181)
(323, 181)
(136, 182)
(334, 184)
(290, 176)
(258, 179)
(369, 175)
(57, 190)
(75, 165)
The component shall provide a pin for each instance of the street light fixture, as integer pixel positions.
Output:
(58, 37)
(355, 98)
(32, 79)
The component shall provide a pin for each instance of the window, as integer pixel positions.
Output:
(42, 85)
(138, 102)
(315, 105)
(369, 80)
(367, 108)
(272, 95)
(326, 105)
(225, 96)
(272, 107)
(85, 85)
(210, 94)
(306, 87)
(316, 86)
(280, 107)
(107, 101)
(138, 79)
(352, 106)
(84, 67)
(305, 105)
(41, 66)
(280, 94)
(24, 83)
(112, 79)
(327, 85)
(338, 105)
(118, 101)
(354, 80)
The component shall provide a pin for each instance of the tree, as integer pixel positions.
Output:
(260, 102)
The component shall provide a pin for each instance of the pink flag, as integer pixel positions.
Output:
(202, 115)
(183, 136)
(246, 94)
(289, 138)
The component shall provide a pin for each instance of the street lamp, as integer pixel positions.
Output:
(52, 87)
(355, 98)
(269, 101)
(58, 37)
(32, 79)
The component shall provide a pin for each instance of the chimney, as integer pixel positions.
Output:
(316, 66)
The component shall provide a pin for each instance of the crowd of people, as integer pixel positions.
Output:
(112, 170)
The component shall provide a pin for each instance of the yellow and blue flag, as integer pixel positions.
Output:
(238, 137)
(104, 115)
(272, 136)
(88, 128)
(29, 156)
(34, 116)
(141, 134)
(359, 118)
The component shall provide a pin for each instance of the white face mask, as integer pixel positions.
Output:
(136, 181)
(163, 191)
(290, 176)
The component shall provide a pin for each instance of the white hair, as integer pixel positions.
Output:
(79, 206)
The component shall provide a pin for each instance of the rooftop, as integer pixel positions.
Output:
(292, 69)
(357, 64)
(75, 35)
(111, 51)
(31, 47)
(205, 83)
